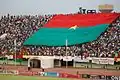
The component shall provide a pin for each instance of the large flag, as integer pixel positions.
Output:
(76, 29)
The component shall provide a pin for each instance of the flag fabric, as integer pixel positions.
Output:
(81, 20)
(77, 29)
(18, 57)
(58, 36)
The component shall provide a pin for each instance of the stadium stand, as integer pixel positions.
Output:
(22, 27)
(19, 28)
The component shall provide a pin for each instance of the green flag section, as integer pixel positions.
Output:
(18, 58)
(58, 36)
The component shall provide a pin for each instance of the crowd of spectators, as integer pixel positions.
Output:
(108, 44)
(19, 28)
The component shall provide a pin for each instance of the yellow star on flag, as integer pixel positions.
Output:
(73, 27)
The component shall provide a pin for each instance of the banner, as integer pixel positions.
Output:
(67, 58)
(111, 61)
(78, 59)
(56, 57)
(51, 74)
(95, 60)
(9, 72)
(26, 73)
(66, 75)
(9, 56)
(103, 61)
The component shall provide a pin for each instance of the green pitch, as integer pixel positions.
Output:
(12, 77)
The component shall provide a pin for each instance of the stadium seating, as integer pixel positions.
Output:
(22, 27)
